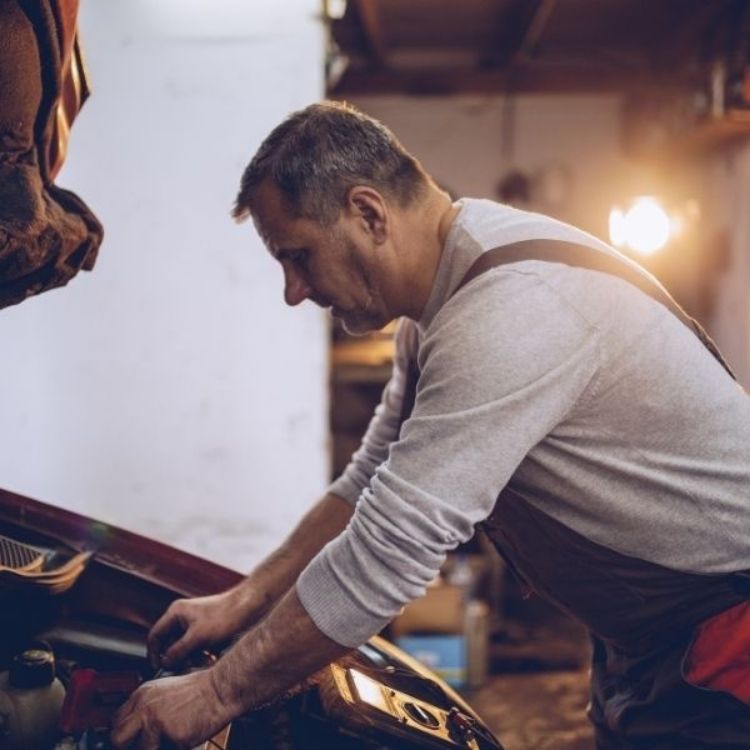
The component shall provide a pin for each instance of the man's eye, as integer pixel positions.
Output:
(299, 258)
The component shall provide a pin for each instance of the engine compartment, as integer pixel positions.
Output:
(369, 699)
(93, 628)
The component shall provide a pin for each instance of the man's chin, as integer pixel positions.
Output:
(358, 324)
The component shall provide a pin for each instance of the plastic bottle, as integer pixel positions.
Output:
(31, 699)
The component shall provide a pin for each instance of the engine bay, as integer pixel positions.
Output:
(73, 625)
(368, 699)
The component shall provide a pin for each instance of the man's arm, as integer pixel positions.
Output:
(278, 572)
(501, 367)
(281, 650)
(285, 648)
(189, 624)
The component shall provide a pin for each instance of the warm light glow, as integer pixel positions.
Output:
(335, 8)
(368, 690)
(645, 227)
(617, 227)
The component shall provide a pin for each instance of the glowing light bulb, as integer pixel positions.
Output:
(644, 228)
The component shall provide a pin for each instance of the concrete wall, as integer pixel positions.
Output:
(171, 391)
(469, 142)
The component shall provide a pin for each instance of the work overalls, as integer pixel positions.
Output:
(642, 617)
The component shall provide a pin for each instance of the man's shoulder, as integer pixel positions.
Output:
(490, 224)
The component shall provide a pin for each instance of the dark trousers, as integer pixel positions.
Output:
(643, 618)
(643, 703)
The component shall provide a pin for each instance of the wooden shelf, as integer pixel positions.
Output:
(354, 373)
(710, 136)
(360, 367)
(363, 352)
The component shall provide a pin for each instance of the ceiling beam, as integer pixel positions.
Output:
(372, 28)
(509, 27)
(688, 38)
(534, 31)
(574, 78)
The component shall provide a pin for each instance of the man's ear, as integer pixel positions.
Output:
(368, 206)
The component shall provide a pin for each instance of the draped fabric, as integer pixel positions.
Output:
(47, 234)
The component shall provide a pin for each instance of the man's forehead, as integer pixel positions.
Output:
(269, 205)
(273, 240)
(271, 217)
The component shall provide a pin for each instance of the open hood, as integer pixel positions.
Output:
(95, 631)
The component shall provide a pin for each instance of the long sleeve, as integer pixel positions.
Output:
(384, 426)
(487, 394)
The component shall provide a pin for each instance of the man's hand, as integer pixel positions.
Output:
(192, 624)
(184, 711)
(276, 654)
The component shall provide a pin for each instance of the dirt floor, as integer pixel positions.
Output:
(536, 696)
(541, 711)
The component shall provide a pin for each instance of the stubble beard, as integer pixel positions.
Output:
(370, 317)
(360, 323)
(364, 320)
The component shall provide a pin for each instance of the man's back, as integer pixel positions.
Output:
(569, 385)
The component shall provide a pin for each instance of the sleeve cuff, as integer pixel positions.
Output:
(332, 611)
(344, 488)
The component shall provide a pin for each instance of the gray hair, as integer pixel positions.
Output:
(318, 153)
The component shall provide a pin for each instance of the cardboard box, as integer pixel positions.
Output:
(440, 610)
(448, 635)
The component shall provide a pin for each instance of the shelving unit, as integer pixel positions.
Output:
(710, 136)
(360, 368)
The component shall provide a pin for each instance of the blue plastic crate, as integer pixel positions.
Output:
(443, 654)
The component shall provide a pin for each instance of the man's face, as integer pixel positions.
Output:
(331, 265)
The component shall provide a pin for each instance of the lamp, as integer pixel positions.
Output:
(644, 226)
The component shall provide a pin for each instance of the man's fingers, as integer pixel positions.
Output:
(127, 727)
(179, 650)
(138, 738)
(154, 640)
(131, 728)
(151, 741)
(168, 627)
(123, 712)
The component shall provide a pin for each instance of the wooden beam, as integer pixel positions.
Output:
(534, 31)
(560, 78)
(687, 38)
(509, 28)
(372, 28)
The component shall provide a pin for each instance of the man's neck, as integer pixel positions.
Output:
(426, 228)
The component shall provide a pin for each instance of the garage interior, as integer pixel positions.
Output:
(574, 109)
(169, 392)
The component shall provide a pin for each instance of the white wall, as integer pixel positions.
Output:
(728, 213)
(171, 391)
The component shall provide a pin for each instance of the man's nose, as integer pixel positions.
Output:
(296, 289)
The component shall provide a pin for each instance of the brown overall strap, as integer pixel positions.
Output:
(570, 254)
(557, 251)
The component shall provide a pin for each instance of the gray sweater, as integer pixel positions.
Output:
(568, 383)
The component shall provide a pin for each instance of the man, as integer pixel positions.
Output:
(618, 445)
